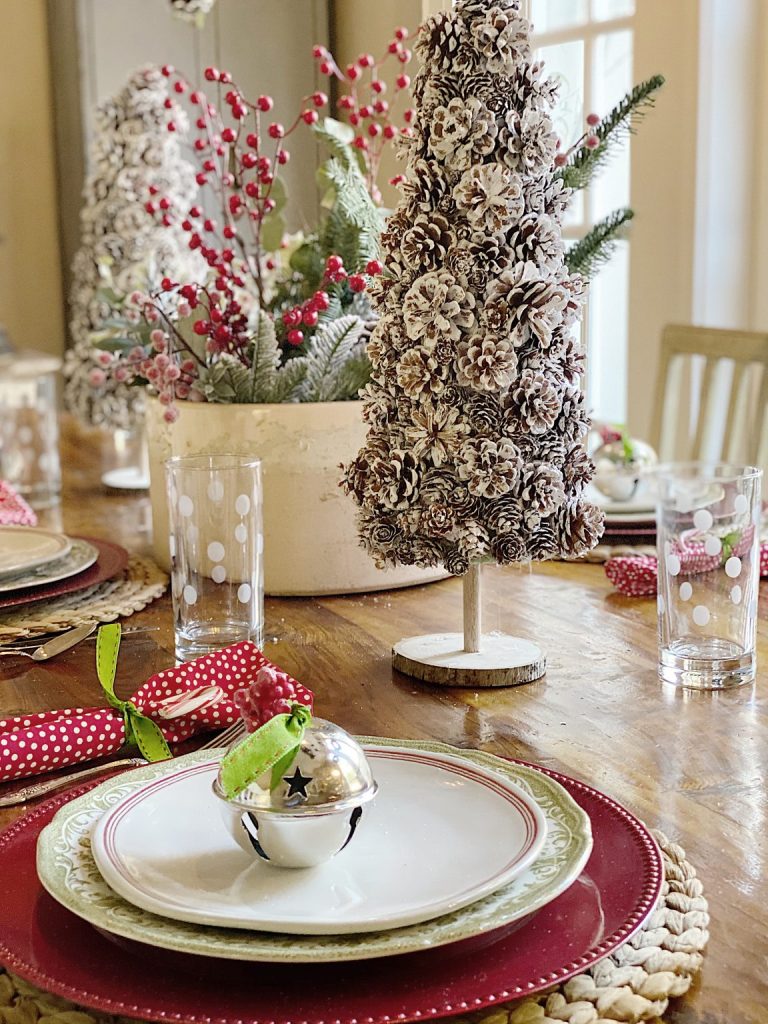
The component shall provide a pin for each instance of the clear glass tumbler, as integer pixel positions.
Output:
(216, 545)
(29, 427)
(708, 553)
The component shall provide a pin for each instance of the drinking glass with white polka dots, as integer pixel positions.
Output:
(708, 517)
(216, 546)
(29, 428)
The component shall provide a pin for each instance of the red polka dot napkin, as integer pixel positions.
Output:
(14, 511)
(34, 744)
(637, 575)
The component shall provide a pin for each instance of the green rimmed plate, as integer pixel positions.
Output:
(67, 870)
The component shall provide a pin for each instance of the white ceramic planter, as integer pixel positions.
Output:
(310, 538)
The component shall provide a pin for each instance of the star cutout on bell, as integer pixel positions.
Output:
(297, 783)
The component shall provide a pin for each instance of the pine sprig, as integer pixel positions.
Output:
(332, 348)
(622, 120)
(586, 256)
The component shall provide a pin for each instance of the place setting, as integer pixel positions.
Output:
(300, 845)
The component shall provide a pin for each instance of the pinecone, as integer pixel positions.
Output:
(542, 543)
(501, 39)
(418, 373)
(393, 482)
(535, 238)
(490, 467)
(437, 518)
(473, 540)
(466, 505)
(581, 526)
(535, 403)
(490, 196)
(508, 548)
(424, 243)
(486, 362)
(578, 468)
(439, 41)
(536, 302)
(456, 562)
(437, 306)
(484, 414)
(541, 488)
(505, 514)
(436, 485)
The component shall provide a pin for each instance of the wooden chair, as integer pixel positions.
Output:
(712, 396)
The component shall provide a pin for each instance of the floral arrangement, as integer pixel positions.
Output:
(255, 327)
(475, 410)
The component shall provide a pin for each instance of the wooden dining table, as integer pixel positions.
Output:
(692, 764)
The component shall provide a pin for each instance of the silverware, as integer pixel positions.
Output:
(25, 644)
(38, 789)
(59, 643)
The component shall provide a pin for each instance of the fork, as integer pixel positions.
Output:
(37, 789)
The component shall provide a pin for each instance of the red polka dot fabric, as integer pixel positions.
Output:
(44, 742)
(637, 575)
(14, 511)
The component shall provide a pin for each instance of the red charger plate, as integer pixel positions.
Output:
(52, 948)
(112, 560)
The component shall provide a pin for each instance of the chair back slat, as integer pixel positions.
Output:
(712, 395)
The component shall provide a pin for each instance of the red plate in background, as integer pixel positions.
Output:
(111, 561)
(52, 948)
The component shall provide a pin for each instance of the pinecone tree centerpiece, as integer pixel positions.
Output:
(476, 414)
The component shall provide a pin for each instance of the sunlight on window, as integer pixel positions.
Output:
(551, 15)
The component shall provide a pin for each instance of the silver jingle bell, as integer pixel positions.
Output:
(315, 809)
(621, 476)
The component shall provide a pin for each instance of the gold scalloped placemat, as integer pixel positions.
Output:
(138, 585)
(634, 983)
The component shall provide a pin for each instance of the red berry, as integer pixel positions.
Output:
(265, 103)
(310, 116)
(200, 123)
(239, 111)
(394, 47)
(357, 283)
(171, 126)
(167, 70)
(269, 205)
(168, 103)
(374, 130)
(179, 87)
(252, 140)
(319, 99)
(592, 142)
(319, 52)
(276, 130)
(153, 190)
(374, 267)
(381, 106)
(593, 120)
(402, 81)
(292, 317)
(321, 300)
(200, 178)
(409, 115)
(252, 190)
(194, 97)
(325, 68)
(294, 337)
(401, 32)
(200, 145)
(209, 225)
(249, 160)
(354, 119)
(201, 327)
(561, 160)
(283, 156)
(229, 135)
(188, 292)
(365, 60)
(310, 317)
(270, 264)
(389, 131)
(166, 284)
(211, 74)
(150, 207)
(333, 264)
(225, 77)
(165, 204)
(404, 56)
(195, 211)
(360, 142)
(353, 72)
(229, 232)
(378, 85)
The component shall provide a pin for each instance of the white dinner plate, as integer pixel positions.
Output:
(23, 547)
(67, 871)
(642, 506)
(80, 557)
(415, 854)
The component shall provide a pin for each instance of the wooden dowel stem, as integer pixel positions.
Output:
(472, 609)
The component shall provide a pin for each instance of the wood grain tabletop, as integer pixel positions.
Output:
(692, 764)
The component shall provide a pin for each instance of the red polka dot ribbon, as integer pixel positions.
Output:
(637, 575)
(14, 511)
(50, 740)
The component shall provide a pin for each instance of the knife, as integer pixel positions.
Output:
(63, 642)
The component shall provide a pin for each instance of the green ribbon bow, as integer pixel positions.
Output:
(273, 746)
(138, 728)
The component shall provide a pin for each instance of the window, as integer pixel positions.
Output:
(588, 45)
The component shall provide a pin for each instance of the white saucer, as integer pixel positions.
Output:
(441, 833)
(23, 547)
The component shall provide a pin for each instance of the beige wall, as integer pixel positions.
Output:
(30, 274)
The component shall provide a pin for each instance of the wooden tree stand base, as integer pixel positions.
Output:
(440, 658)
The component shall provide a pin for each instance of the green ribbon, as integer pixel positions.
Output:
(138, 728)
(273, 746)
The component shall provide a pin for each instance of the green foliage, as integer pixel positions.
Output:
(334, 370)
(273, 225)
(337, 138)
(586, 256)
(353, 224)
(623, 119)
